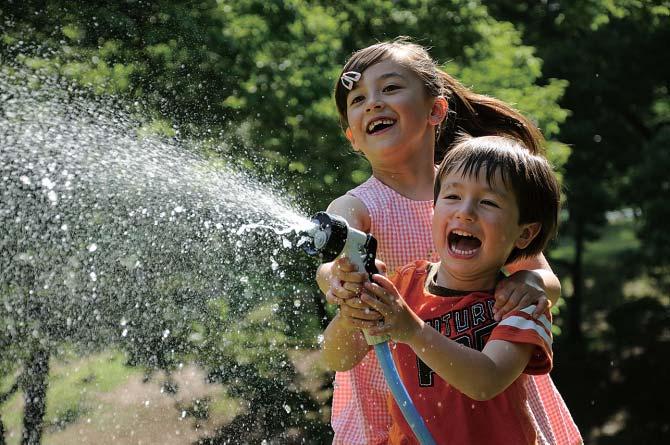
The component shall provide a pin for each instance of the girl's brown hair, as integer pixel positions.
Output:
(470, 113)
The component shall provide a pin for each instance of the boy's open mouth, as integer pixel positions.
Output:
(463, 243)
(380, 124)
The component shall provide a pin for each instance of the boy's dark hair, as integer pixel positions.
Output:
(529, 176)
(471, 113)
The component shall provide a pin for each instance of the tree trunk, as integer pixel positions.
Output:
(575, 302)
(2, 432)
(35, 384)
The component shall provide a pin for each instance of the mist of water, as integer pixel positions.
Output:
(102, 226)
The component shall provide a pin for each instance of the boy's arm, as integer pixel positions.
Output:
(481, 375)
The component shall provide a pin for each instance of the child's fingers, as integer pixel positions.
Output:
(511, 301)
(381, 267)
(383, 281)
(342, 292)
(379, 292)
(332, 299)
(356, 303)
(376, 304)
(345, 270)
(542, 305)
(379, 330)
(365, 314)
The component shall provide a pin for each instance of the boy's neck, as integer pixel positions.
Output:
(484, 281)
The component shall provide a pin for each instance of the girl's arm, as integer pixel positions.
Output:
(344, 345)
(481, 375)
(328, 275)
(531, 281)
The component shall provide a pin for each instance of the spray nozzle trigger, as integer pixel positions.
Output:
(331, 237)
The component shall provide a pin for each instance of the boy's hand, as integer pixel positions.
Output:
(357, 315)
(519, 290)
(400, 322)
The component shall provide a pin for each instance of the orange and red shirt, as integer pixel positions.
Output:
(465, 317)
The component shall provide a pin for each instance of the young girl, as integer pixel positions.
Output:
(402, 113)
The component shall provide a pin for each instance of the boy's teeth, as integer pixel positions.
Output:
(463, 252)
(462, 233)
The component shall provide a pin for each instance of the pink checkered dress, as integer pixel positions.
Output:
(359, 412)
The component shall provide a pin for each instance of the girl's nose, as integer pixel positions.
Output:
(374, 103)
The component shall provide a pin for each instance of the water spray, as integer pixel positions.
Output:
(330, 238)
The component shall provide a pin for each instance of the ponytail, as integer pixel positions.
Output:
(480, 115)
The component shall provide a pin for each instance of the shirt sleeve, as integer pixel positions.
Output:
(520, 327)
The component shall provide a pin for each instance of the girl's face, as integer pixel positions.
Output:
(390, 116)
(475, 228)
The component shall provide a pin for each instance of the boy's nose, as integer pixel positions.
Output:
(466, 212)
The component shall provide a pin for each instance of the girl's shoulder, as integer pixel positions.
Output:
(353, 210)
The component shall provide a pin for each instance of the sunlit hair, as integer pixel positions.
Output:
(469, 112)
(528, 176)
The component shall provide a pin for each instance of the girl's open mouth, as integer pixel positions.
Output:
(463, 243)
(379, 125)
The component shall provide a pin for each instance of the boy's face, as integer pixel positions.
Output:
(475, 228)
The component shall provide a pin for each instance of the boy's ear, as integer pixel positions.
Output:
(439, 111)
(528, 234)
(350, 138)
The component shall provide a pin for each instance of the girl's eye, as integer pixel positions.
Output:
(450, 196)
(356, 99)
(391, 87)
(489, 203)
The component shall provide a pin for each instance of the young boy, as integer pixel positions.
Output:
(494, 202)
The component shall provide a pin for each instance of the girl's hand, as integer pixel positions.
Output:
(346, 282)
(400, 322)
(519, 290)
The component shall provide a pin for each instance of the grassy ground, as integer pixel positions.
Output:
(98, 400)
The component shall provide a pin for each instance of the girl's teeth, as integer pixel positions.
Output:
(372, 125)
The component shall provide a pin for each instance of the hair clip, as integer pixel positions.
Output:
(349, 78)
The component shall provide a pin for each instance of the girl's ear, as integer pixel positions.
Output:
(438, 111)
(350, 137)
(528, 234)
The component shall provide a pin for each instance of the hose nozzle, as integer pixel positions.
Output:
(332, 237)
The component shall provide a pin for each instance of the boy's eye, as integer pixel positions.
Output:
(391, 87)
(489, 203)
(450, 196)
